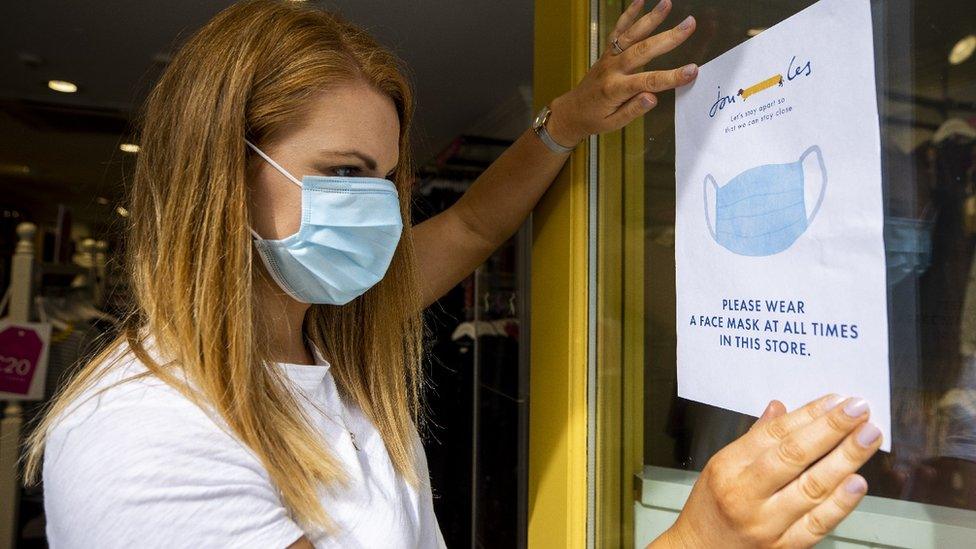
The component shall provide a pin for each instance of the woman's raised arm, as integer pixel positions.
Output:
(614, 92)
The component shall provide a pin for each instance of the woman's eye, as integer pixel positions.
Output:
(346, 171)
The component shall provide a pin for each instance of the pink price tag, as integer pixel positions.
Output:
(20, 350)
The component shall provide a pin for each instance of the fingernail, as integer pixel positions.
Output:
(856, 407)
(856, 485)
(868, 434)
(686, 24)
(662, 5)
(832, 402)
(647, 102)
(689, 70)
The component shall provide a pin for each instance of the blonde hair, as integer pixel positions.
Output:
(249, 72)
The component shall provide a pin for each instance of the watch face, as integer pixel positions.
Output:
(540, 118)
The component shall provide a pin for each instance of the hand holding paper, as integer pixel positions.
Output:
(788, 482)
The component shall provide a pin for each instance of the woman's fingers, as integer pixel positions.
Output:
(777, 424)
(643, 27)
(776, 429)
(627, 19)
(642, 52)
(637, 106)
(610, 96)
(786, 460)
(817, 483)
(658, 81)
(824, 518)
(773, 410)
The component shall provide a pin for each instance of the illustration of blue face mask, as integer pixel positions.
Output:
(762, 211)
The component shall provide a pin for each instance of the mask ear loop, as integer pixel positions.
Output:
(276, 166)
(823, 172)
(283, 171)
(708, 219)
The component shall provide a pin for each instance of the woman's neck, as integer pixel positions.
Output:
(284, 317)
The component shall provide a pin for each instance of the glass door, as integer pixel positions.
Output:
(650, 444)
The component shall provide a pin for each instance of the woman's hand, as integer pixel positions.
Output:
(788, 482)
(613, 93)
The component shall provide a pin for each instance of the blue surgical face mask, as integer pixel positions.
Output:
(762, 211)
(349, 233)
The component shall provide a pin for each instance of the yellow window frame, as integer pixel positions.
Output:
(559, 329)
(573, 501)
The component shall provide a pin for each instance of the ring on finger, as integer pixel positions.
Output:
(616, 46)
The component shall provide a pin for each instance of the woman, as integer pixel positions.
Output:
(266, 388)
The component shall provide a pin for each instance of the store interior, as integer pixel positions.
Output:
(75, 75)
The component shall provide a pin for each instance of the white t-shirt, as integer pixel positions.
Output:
(142, 466)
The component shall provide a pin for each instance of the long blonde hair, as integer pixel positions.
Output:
(247, 73)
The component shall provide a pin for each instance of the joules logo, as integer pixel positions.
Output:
(794, 70)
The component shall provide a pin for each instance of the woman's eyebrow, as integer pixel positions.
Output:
(369, 161)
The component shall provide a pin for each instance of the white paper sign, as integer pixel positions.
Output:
(779, 244)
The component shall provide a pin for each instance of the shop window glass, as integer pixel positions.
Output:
(927, 103)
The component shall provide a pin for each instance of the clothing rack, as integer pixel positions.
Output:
(27, 277)
(20, 300)
(476, 362)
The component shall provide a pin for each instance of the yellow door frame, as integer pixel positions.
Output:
(559, 482)
(557, 388)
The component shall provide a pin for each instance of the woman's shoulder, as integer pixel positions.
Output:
(126, 391)
(133, 457)
(127, 411)
(129, 421)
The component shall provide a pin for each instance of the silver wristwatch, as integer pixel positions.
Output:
(539, 126)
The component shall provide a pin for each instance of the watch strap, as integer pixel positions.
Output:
(547, 139)
(540, 129)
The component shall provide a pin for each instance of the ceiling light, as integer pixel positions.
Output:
(102, 200)
(62, 86)
(754, 32)
(122, 211)
(129, 147)
(14, 169)
(963, 50)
